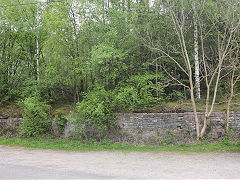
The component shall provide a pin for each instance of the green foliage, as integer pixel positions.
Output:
(128, 47)
(31, 89)
(96, 109)
(61, 123)
(8, 94)
(55, 83)
(126, 98)
(139, 92)
(35, 119)
(175, 95)
(107, 61)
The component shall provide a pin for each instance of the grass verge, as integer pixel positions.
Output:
(63, 144)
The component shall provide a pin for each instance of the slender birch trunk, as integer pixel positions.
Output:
(196, 60)
(37, 47)
(38, 55)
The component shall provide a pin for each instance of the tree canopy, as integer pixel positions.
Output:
(139, 52)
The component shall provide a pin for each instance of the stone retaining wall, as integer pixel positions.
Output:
(150, 124)
(9, 126)
(8, 121)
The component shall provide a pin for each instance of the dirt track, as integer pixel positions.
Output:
(31, 163)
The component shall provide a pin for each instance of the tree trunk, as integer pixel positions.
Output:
(194, 108)
(213, 101)
(196, 60)
(37, 46)
(228, 113)
(157, 90)
(76, 94)
(229, 101)
(38, 55)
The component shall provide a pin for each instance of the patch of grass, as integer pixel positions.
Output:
(63, 144)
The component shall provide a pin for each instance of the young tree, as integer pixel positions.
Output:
(222, 32)
(234, 69)
(226, 26)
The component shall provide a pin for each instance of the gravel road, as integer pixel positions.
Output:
(25, 163)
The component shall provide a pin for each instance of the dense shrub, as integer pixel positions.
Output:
(175, 96)
(96, 111)
(8, 93)
(61, 122)
(140, 92)
(126, 98)
(49, 88)
(35, 119)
